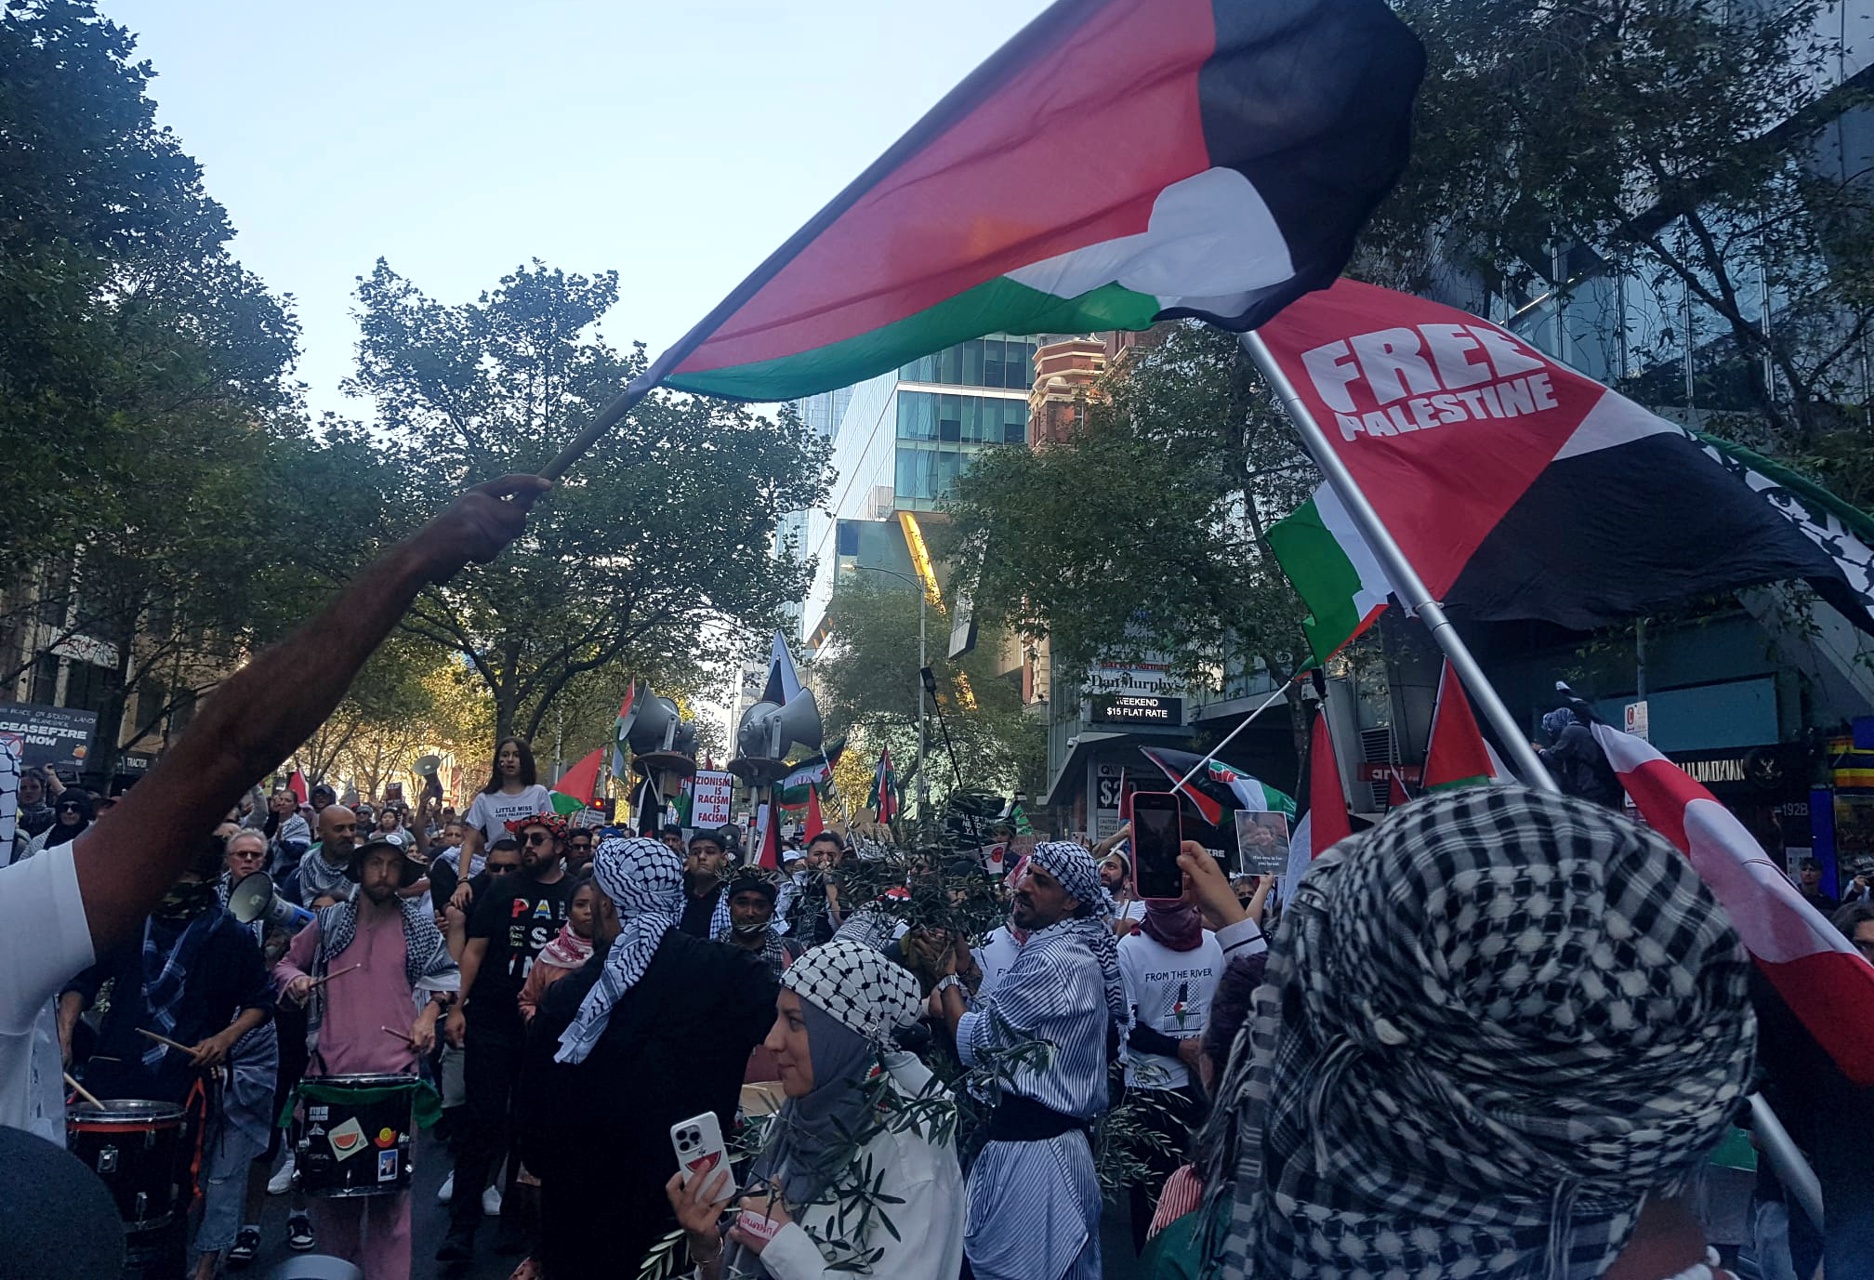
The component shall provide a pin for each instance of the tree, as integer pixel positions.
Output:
(652, 556)
(142, 381)
(1141, 537)
(409, 699)
(1667, 166)
(868, 672)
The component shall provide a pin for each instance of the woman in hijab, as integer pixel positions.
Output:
(72, 812)
(1500, 1032)
(858, 1171)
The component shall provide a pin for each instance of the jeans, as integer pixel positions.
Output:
(224, 1189)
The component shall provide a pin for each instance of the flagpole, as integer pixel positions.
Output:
(1267, 702)
(1399, 571)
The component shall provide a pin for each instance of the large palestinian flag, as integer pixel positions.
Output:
(1515, 486)
(1118, 162)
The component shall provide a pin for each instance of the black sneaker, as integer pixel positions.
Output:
(246, 1247)
(457, 1246)
(299, 1233)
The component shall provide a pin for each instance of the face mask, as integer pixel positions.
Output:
(749, 930)
(185, 901)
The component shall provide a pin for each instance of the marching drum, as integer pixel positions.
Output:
(351, 1134)
(135, 1147)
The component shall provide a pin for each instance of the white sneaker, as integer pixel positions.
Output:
(282, 1182)
(446, 1192)
(491, 1202)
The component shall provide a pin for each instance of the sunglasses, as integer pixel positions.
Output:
(538, 837)
(502, 868)
(71, 807)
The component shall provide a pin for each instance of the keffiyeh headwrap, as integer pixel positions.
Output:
(858, 988)
(1491, 1026)
(644, 880)
(1079, 874)
(427, 964)
(853, 1001)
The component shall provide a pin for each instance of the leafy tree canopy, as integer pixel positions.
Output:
(652, 556)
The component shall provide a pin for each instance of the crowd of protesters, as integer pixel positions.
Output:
(1499, 1033)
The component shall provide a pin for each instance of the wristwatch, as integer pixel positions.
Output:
(946, 982)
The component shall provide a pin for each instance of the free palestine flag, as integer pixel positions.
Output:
(1516, 487)
(1217, 786)
(1118, 162)
(1815, 970)
(1325, 822)
(1845, 532)
(1456, 754)
(576, 786)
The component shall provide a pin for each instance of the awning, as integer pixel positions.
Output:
(1074, 768)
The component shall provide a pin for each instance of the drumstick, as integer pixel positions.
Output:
(83, 1092)
(165, 1040)
(338, 973)
(400, 1035)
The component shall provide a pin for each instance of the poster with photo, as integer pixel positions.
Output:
(1261, 843)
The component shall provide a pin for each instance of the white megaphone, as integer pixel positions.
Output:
(252, 898)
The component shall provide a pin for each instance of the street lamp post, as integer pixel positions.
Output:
(923, 601)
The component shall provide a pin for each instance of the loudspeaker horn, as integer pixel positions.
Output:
(654, 725)
(252, 898)
(639, 696)
(770, 730)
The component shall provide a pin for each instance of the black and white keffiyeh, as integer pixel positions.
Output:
(1491, 1026)
(853, 1001)
(644, 880)
(857, 987)
(1079, 874)
(427, 964)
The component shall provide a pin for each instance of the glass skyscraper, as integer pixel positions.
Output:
(899, 443)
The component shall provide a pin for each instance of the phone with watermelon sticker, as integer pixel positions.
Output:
(701, 1153)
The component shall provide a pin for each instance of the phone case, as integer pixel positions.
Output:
(700, 1150)
(1150, 861)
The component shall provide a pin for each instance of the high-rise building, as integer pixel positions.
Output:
(899, 442)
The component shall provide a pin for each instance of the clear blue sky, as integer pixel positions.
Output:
(678, 141)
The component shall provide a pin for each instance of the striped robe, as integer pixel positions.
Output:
(1034, 1207)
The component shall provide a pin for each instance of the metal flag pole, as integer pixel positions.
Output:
(1210, 755)
(1405, 580)
(1772, 1136)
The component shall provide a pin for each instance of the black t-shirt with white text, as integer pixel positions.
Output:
(517, 919)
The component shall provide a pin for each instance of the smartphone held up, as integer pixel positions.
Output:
(1157, 833)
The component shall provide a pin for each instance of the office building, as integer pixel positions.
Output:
(899, 442)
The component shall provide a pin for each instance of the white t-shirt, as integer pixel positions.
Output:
(44, 943)
(995, 957)
(1168, 991)
(490, 813)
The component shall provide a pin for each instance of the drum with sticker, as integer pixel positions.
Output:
(351, 1134)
